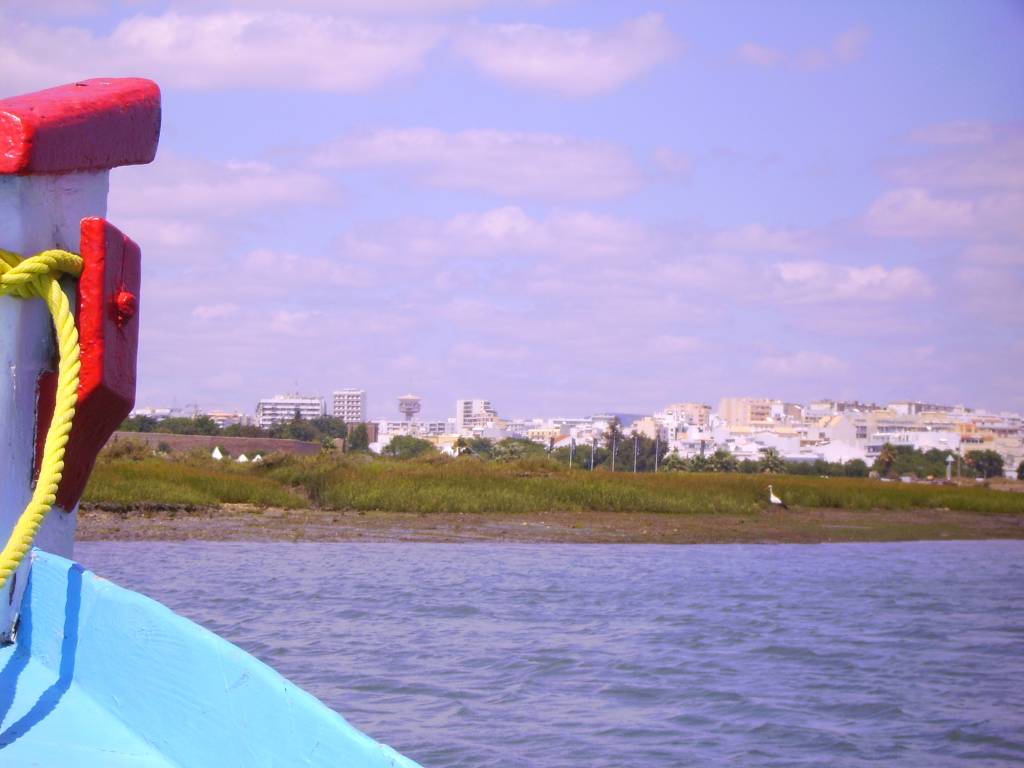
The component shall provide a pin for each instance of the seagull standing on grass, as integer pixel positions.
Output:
(775, 500)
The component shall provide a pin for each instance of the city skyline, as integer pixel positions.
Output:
(485, 408)
(822, 430)
(563, 207)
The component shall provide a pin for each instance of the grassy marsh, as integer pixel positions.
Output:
(440, 485)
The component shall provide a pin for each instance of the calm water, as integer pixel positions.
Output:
(551, 655)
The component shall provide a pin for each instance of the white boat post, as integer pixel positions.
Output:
(56, 150)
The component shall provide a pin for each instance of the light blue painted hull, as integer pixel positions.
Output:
(102, 676)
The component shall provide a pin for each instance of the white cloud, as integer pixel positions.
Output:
(672, 161)
(757, 238)
(215, 311)
(802, 363)
(995, 254)
(990, 164)
(161, 231)
(573, 62)
(587, 236)
(994, 293)
(294, 273)
(413, 7)
(850, 45)
(488, 353)
(809, 281)
(761, 55)
(844, 48)
(506, 163)
(916, 212)
(294, 322)
(179, 186)
(180, 202)
(498, 228)
(234, 49)
(672, 344)
(970, 185)
(506, 233)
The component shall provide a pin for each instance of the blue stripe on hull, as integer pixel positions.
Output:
(102, 676)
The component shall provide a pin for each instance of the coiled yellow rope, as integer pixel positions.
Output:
(38, 277)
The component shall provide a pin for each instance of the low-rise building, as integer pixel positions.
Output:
(390, 428)
(227, 418)
(546, 434)
(650, 427)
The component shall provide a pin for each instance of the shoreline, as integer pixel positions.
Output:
(239, 522)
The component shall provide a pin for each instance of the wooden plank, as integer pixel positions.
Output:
(108, 334)
(90, 125)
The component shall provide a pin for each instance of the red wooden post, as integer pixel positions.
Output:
(89, 126)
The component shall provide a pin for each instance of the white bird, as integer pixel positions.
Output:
(775, 500)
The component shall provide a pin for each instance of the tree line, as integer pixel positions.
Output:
(615, 450)
(618, 451)
(323, 430)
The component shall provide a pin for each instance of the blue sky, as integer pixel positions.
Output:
(566, 207)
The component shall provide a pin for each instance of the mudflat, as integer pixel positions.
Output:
(240, 522)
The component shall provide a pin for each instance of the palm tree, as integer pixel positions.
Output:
(772, 462)
(886, 458)
(722, 461)
(699, 464)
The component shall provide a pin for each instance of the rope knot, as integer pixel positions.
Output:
(39, 276)
(26, 278)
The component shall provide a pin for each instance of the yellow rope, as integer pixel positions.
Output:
(38, 277)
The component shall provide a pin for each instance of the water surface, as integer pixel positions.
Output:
(627, 655)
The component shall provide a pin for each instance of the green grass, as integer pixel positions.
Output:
(158, 481)
(468, 485)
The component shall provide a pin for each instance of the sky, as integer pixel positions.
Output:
(565, 207)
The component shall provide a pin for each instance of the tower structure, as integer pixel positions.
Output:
(409, 405)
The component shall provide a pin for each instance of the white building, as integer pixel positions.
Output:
(387, 429)
(684, 414)
(349, 405)
(156, 413)
(280, 409)
(474, 414)
(226, 418)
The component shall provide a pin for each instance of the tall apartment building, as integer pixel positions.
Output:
(470, 414)
(280, 409)
(349, 405)
(746, 411)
